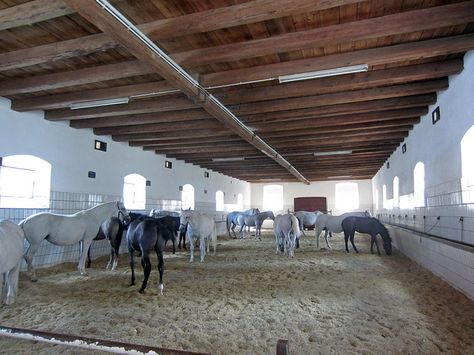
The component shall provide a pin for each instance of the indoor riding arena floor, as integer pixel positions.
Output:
(245, 298)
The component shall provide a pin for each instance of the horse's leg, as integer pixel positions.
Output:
(147, 270)
(30, 253)
(346, 238)
(10, 285)
(317, 233)
(89, 262)
(327, 239)
(85, 245)
(202, 247)
(131, 255)
(191, 249)
(111, 259)
(161, 264)
(374, 240)
(352, 241)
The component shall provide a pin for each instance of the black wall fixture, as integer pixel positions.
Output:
(404, 148)
(148, 183)
(168, 164)
(91, 174)
(206, 174)
(435, 115)
(99, 145)
(388, 165)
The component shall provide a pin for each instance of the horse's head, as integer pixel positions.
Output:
(184, 219)
(387, 241)
(122, 211)
(271, 215)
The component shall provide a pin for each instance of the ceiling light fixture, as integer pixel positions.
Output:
(228, 159)
(323, 73)
(339, 177)
(99, 103)
(337, 152)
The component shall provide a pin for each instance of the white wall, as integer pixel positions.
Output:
(71, 153)
(438, 147)
(316, 189)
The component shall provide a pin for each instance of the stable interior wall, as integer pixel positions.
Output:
(315, 189)
(72, 155)
(444, 214)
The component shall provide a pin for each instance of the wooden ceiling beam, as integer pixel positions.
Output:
(399, 75)
(204, 21)
(208, 150)
(49, 102)
(385, 92)
(184, 134)
(144, 118)
(377, 27)
(374, 56)
(169, 127)
(339, 109)
(177, 141)
(374, 119)
(74, 77)
(32, 12)
(157, 104)
(359, 81)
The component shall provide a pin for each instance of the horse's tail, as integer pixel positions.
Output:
(295, 226)
(227, 223)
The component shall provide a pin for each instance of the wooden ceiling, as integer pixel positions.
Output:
(55, 53)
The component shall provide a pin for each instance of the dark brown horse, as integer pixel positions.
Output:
(368, 225)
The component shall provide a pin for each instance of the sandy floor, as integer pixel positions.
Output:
(243, 299)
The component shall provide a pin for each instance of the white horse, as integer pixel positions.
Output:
(11, 253)
(287, 231)
(199, 226)
(306, 218)
(59, 229)
(332, 224)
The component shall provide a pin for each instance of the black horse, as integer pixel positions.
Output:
(112, 230)
(145, 235)
(368, 225)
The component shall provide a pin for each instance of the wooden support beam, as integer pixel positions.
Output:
(399, 75)
(210, 20)
(144, 118)
(377, 27)
(50, 102)
(74, 77)
(340, 109)
(32, 12)
(401, 90)
(374, 56)
(160, 127)
(158, 104)
(143, 49)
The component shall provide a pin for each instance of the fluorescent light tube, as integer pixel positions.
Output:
(323, 73)
(99, 103)
(228, 159)
(337, 152)
(339, 177)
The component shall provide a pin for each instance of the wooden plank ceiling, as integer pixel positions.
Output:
(51, 57)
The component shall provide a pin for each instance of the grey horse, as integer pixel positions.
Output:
(306, 218)
(287, 232)
(255, 220)
(232, 222)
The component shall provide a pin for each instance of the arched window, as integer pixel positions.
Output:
(134, 192)
(219, 201)
(384, 196)
(347, 196)
(240, 202)
(273, 197)
(396, 193)
(187, 197)
(419, 185)
(467, 166)
(376, 199)
(25, 181)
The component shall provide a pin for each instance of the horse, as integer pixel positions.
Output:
(255, 220)
(232, 219)
(59, 229)
(144, 235)
(112, 230)
(11, 253)
(368, 225)
(200, 226)
(287, 232)
(332, 224)
(306, 218)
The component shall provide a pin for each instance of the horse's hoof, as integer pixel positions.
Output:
(161, 287)
(141, 291)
